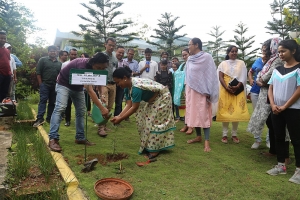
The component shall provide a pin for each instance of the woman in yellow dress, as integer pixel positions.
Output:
(232, 105)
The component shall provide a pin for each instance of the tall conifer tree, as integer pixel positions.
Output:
(166, 35)
(244, 44)
(215, 46)
(101, 24)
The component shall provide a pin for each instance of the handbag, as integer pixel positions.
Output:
(235, 82)
(97, 116)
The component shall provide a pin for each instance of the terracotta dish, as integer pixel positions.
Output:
(113, 189)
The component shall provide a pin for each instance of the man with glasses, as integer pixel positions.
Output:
(133, 64)
(108, 93)
(47, 71)
(120, 51)
(72, 55)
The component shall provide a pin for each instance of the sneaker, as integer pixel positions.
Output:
(268, 144)
(224, 140)
(255, 145)
(296, 177)
(38, 122)
(277, 169)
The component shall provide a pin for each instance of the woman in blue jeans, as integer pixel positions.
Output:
(65, 90)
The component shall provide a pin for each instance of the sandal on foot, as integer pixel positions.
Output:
(178, 120)
(207, 149)
(193, 141)
(189, 133)
(183, 129)
(150, 156)
(224, 140)
(235, 139)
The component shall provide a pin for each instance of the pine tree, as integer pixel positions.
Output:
(101, 25)
(244, 45)
(166, 35)
(214, 47)
(277, 26)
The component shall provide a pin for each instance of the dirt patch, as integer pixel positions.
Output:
(102, 159)
(36, 182)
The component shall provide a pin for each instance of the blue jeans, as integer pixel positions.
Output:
(4, 86)
(46, 92)
(63, 94)
(118, 100)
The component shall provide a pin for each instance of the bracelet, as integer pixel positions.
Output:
(102, 96)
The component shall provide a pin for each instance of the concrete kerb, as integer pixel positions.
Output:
(73, 192)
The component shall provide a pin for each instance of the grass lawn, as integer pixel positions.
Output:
(229, 171)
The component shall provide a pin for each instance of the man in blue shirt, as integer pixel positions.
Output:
(133, 64)
(18, 62)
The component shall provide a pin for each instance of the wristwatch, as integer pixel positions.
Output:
(102, 96)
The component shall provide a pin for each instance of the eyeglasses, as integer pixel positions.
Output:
(111, 45)
(190, 45)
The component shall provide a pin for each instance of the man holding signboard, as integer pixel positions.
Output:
(108, 92)
(65, 90)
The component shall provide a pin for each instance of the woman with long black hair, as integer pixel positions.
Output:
(284, 96)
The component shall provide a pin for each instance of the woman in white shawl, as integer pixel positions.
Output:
(202, 89)
(232, 106)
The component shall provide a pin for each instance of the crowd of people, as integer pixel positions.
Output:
(162, 94)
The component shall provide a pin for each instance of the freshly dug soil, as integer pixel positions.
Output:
(102, 159)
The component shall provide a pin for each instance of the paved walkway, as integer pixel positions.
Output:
(5, 143)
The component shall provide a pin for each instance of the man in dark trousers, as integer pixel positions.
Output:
(47, 71)
(5, 71)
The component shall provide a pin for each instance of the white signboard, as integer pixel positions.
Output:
(88, 78)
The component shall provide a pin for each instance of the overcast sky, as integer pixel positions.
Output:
(198, 16)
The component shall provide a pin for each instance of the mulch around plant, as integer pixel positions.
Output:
(103, 159)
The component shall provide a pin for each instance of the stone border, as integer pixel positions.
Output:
(73, 192)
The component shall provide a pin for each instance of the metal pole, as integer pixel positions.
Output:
(86, 116)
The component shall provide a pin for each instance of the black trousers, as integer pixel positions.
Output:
(272, 136)
(118, 100)
(289, 118)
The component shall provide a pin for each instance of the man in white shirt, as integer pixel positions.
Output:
(13, 82)
(73, 55)
(148, 67)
